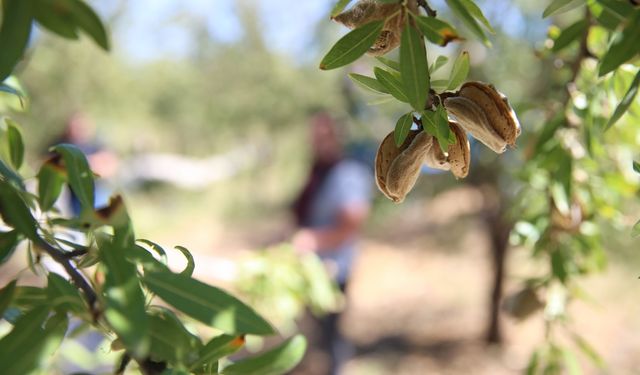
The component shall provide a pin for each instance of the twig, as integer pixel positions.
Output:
(63, 259)
(430, 11)
(75, 253)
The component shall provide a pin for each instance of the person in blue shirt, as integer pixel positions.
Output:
(330, 212)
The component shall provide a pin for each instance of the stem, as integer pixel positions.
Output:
(63, 259)
(430, 11)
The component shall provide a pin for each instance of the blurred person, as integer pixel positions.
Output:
(80, 131)
(329, 212)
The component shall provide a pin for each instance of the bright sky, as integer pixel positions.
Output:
(156, 28)
(152, 29)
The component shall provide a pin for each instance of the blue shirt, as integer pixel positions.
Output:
(348, 183)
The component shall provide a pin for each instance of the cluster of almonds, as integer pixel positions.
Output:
(477, 108)
(366, 11)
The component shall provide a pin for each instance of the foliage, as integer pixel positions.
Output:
(113, 277)
(575, 165)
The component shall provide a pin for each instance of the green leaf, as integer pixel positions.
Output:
(443, 132)
(440, 61)
(191, 265)
(589, 351)
(339, 7)
(28, 297)
(439, 85)
(274, 362)
(11, 176)
(8, 243)
(13, 91)
(559, 265)
(56, 16)
(561, 6)
(625, 103)
(389, 63)
(14, 34)
(459, 71)
(170, 340)
(624, 47)
(636, 166)
(16, 146)
(476, 12)
(206, 303)
(216, 348)
(155, 247)
(79, 174)
(414, 71)
(15, 212)
(54, 331)
(6, 295)
(571, 362)
(351, 46)
(63, 295)
(369, 83)
(459, 9)
(51, 180)
(635, 231)
(86, 19)
(403, 125)
(570, 35)
(435, 30)
(392, 83)
(124, 300)
(532, 366)
(20, 350)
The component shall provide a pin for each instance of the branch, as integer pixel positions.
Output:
(430, 11)
(63, 259)
(75, 253)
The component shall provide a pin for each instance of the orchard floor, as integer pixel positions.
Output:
(418, 301)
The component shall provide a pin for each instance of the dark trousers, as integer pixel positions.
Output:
(332, 340)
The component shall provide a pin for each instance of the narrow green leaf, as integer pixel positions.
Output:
(439, 85)
(56, 16)
(124, 300)
(571, 362)
(392, 83)
(206, 303)
(440, 61)
(558, 265)
(274, 362)
(216, 348)
(13, 91)
(11, 176)
(191, 265)
(443, 132)
(170, 340)
(51, 180)
(588, 350)
(79, 173)
(54, 331)
(14, 34)
(625, 103)
(461, 11)
(476, 12)
(617, 9)
(569, 35)
(8, 243)
(155, 247)
(63, 295)
(436, 30)
(624, 47)
(368, 83)
(460, 71)
(16, 146)
(339, 7)
(28, 297)
(403, 125)
(20, 350)
(6, 295)
(561, 6)
(635, 231)
(351, 46)
(389, 63)
(86, 19)
(15, 212)
(636, 166)
(414, 71)
(532, 366)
